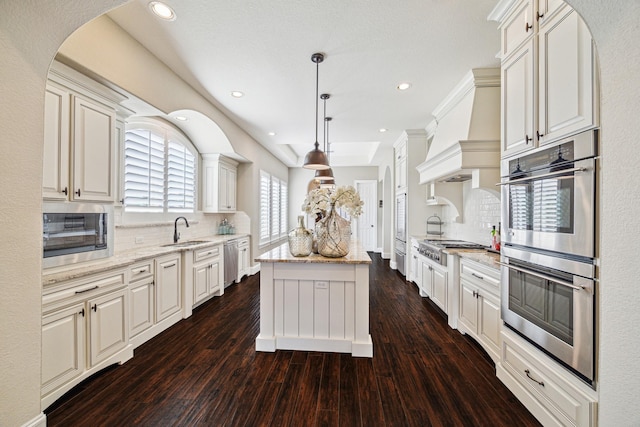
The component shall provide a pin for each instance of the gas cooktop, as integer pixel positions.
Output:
(433, 249)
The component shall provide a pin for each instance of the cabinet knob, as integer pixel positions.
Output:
(539, 15)
(527, 139)
(94, 307)
(65, 191)
(78, 192)
(527, 27)
(81, 312)
(539, 135)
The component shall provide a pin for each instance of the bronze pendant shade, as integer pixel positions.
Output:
(316, 158)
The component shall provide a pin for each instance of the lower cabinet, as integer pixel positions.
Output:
(479, 312)
(550, 392)
(84, 329)
(168, 285)
(434, 282)
(243, 258)
(203, 276)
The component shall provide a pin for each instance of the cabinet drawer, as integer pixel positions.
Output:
(518, 27)
(141, 271)
(206, 253)
(478, 273)
(78, 290)
(243, 243)
(552, 388)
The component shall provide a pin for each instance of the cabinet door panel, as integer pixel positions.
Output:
(93, 150)
(168, 295)
(469, 306)
(427, 280)
(489, 321)
(439, 294)
(109, 331)
(141, 301)
(518, 114)
(200, 282)
(55, 177)
(215, 278)
(566, 78)
(63, 346)
(518, 27)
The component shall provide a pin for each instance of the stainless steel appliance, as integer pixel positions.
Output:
(548, 249)
(549, 197)
(230, 262)
(76, 232)
(550, 300)
(434, 249)
(401, 233)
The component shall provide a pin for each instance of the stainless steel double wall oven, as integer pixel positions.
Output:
(549, 249)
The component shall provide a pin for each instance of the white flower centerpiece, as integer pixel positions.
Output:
(332, 231)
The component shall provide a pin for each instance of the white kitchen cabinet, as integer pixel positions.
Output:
(63, 346)
(109, 325)
(243, 258)
(79, 138)
(479, 312)
(93, 151)
(549, 78)
(141, 297)
(434, 281)
(400, 152)
(55, 173)
(207, 273)
(85, 328)
(219, 183)
(548, 390)
(168, 292)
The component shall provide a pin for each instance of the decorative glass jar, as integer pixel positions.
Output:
(333, 234)
(300, 239)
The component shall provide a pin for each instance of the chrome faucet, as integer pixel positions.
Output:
(176, 235)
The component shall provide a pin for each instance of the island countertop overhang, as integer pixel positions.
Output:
(356, 255)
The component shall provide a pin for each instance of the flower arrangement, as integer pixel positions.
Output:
(319, 201)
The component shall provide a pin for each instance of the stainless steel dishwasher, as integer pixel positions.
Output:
(230, 262)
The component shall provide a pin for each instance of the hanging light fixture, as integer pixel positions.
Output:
(325, 176)
(316, 158)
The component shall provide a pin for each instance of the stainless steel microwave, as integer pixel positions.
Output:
(76, 232)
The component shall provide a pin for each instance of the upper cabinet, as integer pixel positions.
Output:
(400, 151)
(549, 76)
(79, 138)
(219, 183)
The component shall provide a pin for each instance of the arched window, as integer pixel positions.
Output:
(159, 169)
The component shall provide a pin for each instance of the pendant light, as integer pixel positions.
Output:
(316, 158)
(325, 175)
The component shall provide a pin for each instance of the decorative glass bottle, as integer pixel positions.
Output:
(300, 239)
(334, 235)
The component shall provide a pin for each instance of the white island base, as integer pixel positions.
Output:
(315, 303)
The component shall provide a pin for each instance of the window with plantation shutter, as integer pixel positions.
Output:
(273, 208)
(159, 173)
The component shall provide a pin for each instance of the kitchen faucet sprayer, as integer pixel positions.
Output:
(176, 235)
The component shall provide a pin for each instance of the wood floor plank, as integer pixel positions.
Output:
(204, 371)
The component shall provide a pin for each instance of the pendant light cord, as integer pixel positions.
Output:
(317, 86)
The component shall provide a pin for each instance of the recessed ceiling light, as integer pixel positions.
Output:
(403, 86)
(181, 118)
(237, 94)
(382, 130)
(162, 10)
(271, 134)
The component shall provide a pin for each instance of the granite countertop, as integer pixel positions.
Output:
(123, 259)
(356, 255)
(481, 256)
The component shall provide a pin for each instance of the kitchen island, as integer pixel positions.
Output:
(315, 303)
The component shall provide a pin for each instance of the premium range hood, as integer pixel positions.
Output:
(465, 138)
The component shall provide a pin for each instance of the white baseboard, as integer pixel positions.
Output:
(378, 250)
(39, 421)
(393, 265)
(386, 255)
(254, 269)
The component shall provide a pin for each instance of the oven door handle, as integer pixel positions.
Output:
(546, 175)
(543, 276)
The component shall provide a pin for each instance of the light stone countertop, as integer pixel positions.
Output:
(481, 256)
(123, 259)
(356, 255)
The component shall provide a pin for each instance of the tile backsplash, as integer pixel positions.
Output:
(135, 235)
(480, 213)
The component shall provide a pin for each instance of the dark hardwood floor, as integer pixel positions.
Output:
(204, 371)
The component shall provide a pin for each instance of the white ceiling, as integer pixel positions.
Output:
(263, 48)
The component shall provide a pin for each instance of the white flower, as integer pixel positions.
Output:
(319, 200)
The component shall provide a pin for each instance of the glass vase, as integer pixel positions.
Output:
(300, 239)
(333, 234)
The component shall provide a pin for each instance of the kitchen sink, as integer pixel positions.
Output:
(185, 244)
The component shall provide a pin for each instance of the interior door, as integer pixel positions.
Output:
(367, 223)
